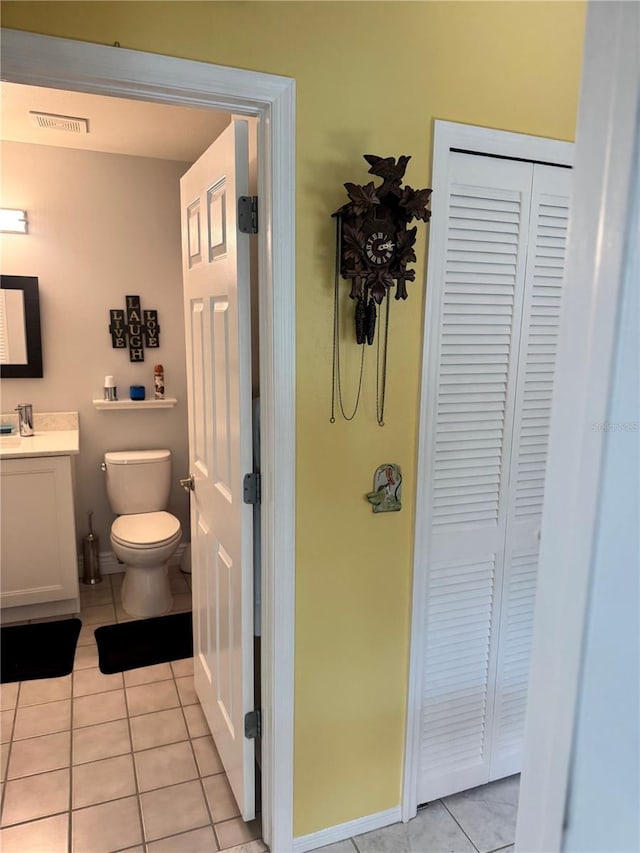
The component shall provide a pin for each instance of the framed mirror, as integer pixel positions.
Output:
(20, 339)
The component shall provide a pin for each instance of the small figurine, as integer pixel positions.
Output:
(386, 494)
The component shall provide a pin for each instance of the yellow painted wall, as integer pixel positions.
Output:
(371, 78)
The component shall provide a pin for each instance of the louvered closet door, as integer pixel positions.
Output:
(474, 356)
(537, 360)
(494, 330)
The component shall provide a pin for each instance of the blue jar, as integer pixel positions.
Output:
(136, 392)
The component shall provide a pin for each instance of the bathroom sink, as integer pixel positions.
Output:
(55, 442)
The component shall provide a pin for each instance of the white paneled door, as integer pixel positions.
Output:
(494, 335)
(218, 341)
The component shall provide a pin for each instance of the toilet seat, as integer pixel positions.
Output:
(145, 530)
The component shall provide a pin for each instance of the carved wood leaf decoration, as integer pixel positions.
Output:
(405, 241)
(401, 288)
(352, 239)
(378, 283)
(357, 286)
(415, 203)
(363, 198)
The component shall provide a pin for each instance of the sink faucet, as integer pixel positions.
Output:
(25, 418)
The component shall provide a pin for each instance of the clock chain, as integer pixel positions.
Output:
(336, 379)
(381, 381)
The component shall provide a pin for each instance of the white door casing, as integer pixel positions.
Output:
(554, 795)
(217, 308)
(471, 350)
(39, 60)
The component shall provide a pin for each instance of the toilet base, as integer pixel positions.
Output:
(146, 592)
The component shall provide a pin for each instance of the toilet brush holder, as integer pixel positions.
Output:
(91, 557)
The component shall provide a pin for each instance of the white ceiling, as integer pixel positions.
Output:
(116, 125)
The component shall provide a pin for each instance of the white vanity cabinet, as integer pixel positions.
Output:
(38, 552)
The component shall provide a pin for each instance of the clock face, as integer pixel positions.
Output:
(379, 247)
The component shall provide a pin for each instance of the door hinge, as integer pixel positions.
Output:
(253, 724)
(248, 214)
(252, 488)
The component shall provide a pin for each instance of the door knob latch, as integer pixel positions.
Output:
(188, 483)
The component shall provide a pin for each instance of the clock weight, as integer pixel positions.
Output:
(360, 315)
(365, 320)
(371, 320)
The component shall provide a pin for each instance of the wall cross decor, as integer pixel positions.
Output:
(134, 328)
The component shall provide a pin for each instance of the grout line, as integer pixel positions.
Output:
(136, 782)
(195, 758)
(353, 841)
(136, 793)
(89, 695)
(459, 824)
(31, 820)
(70, 824)
(10, 744)
(176, 834)
(167, 743)
(181, 832)
(101, 803)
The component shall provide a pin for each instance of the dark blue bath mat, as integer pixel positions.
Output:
(144, 642)
(41, 650)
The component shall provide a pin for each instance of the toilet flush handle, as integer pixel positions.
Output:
(188, 484)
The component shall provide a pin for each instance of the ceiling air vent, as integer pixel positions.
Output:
(51, 121)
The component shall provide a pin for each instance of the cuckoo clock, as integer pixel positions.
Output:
(375, 242)
(374, 247)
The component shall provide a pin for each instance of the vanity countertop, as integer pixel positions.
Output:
(57, 442)
(56, 434)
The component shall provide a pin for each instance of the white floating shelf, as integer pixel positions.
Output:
(167, 403)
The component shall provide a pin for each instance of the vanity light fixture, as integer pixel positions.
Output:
(13, 221)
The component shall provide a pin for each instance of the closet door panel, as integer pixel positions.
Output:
(477, 329)
(516, 633)
(456, 674)
(536, 369)
(473, 393)
(540, 336)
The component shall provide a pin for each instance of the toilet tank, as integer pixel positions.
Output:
(138, 480)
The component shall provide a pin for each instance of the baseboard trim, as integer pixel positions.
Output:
(109, 564)
(342, 831)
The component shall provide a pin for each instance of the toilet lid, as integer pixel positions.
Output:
(146, 528)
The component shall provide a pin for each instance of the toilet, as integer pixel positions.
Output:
(144, 536)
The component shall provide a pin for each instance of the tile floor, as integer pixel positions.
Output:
(482, 820)
(95, 763)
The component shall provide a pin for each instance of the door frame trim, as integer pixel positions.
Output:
(38, 60)
(480, 140)
(598, 277)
